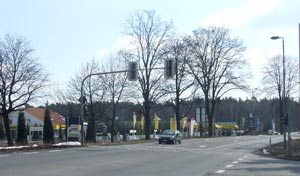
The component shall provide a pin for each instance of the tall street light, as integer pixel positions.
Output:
(284, 95)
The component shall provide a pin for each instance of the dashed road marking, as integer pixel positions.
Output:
(202, 146)
(228, 166)
(55, 151)
(241, 159)
(245, 156)
(29, 153)
(220, 171)
(235, 162)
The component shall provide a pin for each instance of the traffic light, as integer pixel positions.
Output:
(86, 110)
(169, 68)
(285, 120)
(282, 120)
(132, 71)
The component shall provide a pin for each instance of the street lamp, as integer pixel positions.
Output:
(283, 70)
(284, 94)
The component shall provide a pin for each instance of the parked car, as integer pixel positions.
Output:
(170, 136)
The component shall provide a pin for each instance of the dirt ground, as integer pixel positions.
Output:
(277, 150)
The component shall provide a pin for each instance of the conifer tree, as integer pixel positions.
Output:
(28, 129)
(48, 133)
(21, 131)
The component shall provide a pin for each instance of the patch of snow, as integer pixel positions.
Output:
(68, 144)
(13, 147)
(265, 152)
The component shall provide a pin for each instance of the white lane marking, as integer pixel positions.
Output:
(202, 146)
(220, 171)
(29, 153)
(3, 156)
(235, 141)
(55, 151)
(245, 156)
(228, 166)
(235, 162)
(241, 159)
(222, 146)
(240, 143)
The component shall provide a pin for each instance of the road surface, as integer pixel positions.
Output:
(194, 157)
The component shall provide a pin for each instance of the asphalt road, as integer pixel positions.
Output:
(195, 157)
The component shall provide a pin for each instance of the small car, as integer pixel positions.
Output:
(170, 136)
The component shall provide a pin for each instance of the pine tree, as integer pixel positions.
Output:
(48, 133)
(28, 129)
(22, 132)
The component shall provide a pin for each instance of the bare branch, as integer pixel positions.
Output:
(21, 77)
(149, 34)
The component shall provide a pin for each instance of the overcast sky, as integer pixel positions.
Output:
(67, 33)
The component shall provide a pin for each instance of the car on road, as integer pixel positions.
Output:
(170, 136)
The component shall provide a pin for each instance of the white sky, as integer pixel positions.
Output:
(67, 33)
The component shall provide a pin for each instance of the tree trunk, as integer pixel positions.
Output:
(147, 119)
(7, 129)
(177, 110)
(113, 123)
(91, 131)
(208, 114)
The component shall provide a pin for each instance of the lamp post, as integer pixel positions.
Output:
(285, 115)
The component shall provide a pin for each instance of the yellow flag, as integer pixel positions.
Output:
(156, 121)
(196, 126)
(173, 123)
(142, 121)
(134, 120)
(184, 122)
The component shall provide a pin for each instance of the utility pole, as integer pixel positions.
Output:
(299, 60)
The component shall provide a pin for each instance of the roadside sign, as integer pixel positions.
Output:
(74, 131)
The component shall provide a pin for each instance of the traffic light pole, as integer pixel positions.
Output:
(81, 119)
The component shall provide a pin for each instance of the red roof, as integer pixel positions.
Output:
(39, 113)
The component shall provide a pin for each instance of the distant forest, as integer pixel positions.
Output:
(227, 110)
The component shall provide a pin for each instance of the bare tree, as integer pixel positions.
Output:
(21, 77)
(115, 84)
(148, 34)
(273, 80)
(93, 91)
(179, 88)
(216, 63)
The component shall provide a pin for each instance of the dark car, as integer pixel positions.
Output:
(170, 136)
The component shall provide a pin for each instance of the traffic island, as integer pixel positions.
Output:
(277, 150)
